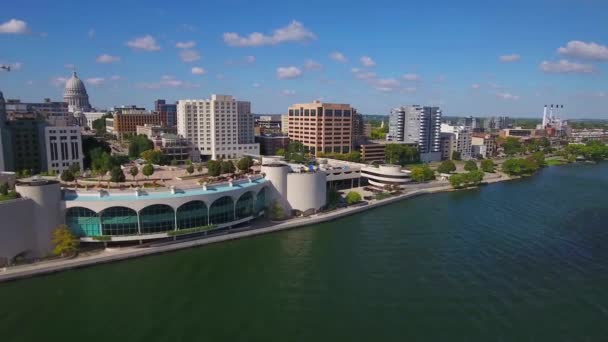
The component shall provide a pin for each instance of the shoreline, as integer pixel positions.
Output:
(114, 255)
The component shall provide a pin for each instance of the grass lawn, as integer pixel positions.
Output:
(554, 162)
(11, 195)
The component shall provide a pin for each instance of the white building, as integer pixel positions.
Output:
(462, 139)
(89, 117)
(63, 148)
(219, 127)
(417, 125)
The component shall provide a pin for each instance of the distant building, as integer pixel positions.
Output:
(447, 142)
(54, 112)
(417, 125)
(322, 127)
(126, 119)
(486, 140)
(167, 112)
(522, 133)
(359, 136)
(462, 139)
(89, 117)
(285, 123)
(270, 144)
(220, 127)
(367, 129)
(4, 134)
(25, 146)
(75, 94)
(175, 148)
(267, 124)
(63, 148)
(373, 152)
(152, 131)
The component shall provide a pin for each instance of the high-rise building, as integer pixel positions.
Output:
(75, 94)
(359, 136)
(167, 112)
(462, 139)
(3, 132)
(322, 127)
(63, 148)
(417, 125)
(26, 148)
(220, 127)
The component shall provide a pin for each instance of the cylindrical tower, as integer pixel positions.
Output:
(276, 173)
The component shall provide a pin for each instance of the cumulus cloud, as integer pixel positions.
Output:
(475, 86)
(385, 84)
(362, 74)
(593, 51)
(566, 67)
(198, 71)
(189, 56)
(411, 77)
(185, 45)
(367, 61)
(14, 26)
(288, 92)
(168, 81)
(106, 59)
(286, 73)
(338, 57)
(312, 65)
(59, 81)
(95, 81)
(507, 96)
(294, 32)
(145, 43)
(509, 58)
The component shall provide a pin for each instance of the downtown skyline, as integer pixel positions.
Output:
(469, 58)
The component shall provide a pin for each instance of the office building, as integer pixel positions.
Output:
(152, 131)
(486, 140)
(359, 136)
(447, 142)
(462, 139)
(63, 148)
(54, 112)
(167, 112)
(373, 152)
(126, 119)
(25, 145)
(76, 96)
(271, 143)
(216, 127)
(322, 127)
(417, 125)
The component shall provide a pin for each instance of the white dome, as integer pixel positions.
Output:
(75, 94)
(74, 86)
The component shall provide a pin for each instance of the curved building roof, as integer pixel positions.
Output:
(75, 87)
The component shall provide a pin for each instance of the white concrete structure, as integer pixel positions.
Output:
(385, 175)
(89, 117)
(218, 127)
(63, 148)
(462, 139)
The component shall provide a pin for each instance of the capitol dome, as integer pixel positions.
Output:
(75, 94)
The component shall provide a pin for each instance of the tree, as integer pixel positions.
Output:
(64, 242)
(400, 154)
(67, 176)
(276, 211)
(470, 165)
(353, 197)
(512, 146)
(4, 188)
(447, 166)
(139, 144)
(422, 174)
(174, 162)
(214, 168)
(75, 169)
(245, 163)
(148, 170)
(152, 156)
(281, 152)
(487, 165)
(456, 155)
(134, 171)
(101, 162)
(466, 179)
(333, 198)
(190, 169)
(227, 166)
(199, 168)
(117, 175)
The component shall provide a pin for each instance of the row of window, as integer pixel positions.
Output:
(326, 112)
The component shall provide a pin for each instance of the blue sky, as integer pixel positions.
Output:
(469, 57)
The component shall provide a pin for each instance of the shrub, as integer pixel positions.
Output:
(487, 165)
(447, 166)
(470, 165)
(353, 197)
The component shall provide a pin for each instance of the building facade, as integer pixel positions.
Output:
(63, 148)
(462, 140)
(126, 121)
(216, 127)
(271, 143)
(167, 112)
(417, 125)
(25, 145)
(322, 127)
(487, 140)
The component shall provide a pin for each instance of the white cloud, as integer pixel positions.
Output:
(95, 81)
(185, 45)
(475, 86)
(362, 74)
(593, 51)
(386, 84)
(338, 57)
(14, 26)
(566, 67)
(367, 61)
(507, 96)
(249, 59)
(286, 73)
(294, 32)
(288, 92)
(198, 71)
(509, 58)
(168, 81)
(116, 78)
(106, 59)
(59, 81)
(69, 66)
(312, 65)
(411, 77)
(91, 33)
(440, 79)
(145, 43)
(189, 56)
(256, 85)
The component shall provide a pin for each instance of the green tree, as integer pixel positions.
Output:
(401, 154)
(353, 197)
(227, 166)
(199, 168)
(67, 176)
(422, 174)
(117, 175)
(214, 168)
(276, 211)
(64, 242)
(75, 169)
(456, 155)
(333, 198)
(474, 177)
(152, 156)
(487, 165)
(134, 171)
(470, 165)
(447, 166)
(190, 169)
(4, 188)
(139, 144)
(148, 170)
(512, 146)
(281, 152)
(101, 163)
(245, 163)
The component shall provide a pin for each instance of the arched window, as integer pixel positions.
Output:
(244, 205)
(221, 211)
(83, 221)
(192, 215)
(260, 201)
(119, 221)
(157, 218)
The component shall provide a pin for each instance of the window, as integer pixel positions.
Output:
(244, 205)
(157, 218)
(119, 221)
(83, 221)
(221, 211)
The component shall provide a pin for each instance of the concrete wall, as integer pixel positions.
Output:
(277, 175)
(307, 190)
(16, 234)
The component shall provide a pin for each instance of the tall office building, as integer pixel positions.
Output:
(26, 149)
(322, 127)
(167, 112)
(220, 127)
(63, 148)
(462, 140)
(359, 136)
(417, 125)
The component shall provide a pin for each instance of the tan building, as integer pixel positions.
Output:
(122, 123)
(372, 152)
(487, 140)
(322, 127)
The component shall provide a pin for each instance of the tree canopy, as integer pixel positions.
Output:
(214, 168)
(152, 156)
(148, 170)
(401, 154)
(64, 242)
(227, 166)
(353, 197)
(466, 179)
(117, 175)
(422, 174)
(353, 156)
(447, 166)
(470, 165)
(244, 163)
(67, 176)
(139, 144)
(487, 165)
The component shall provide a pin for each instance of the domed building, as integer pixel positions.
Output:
(75, 94)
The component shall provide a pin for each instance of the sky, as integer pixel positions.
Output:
(480, 58)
